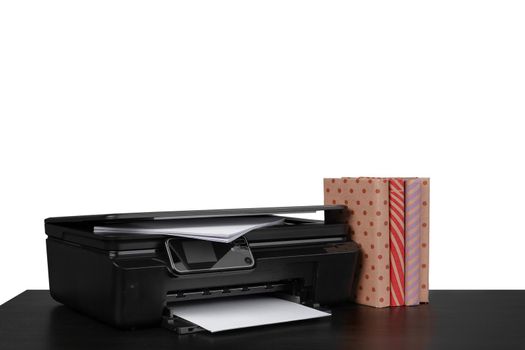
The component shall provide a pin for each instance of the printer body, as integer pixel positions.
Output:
(133, 280)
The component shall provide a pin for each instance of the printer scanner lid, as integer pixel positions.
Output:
(193, 214)
(79, 229)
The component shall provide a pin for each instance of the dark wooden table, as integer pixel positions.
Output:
(453, 320)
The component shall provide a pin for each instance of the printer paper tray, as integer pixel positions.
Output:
(235, 313)
(180, 326)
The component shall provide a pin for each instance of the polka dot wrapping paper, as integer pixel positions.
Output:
(368, 201)
(425, 236)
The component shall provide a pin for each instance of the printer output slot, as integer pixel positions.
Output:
(188, 295)
(287, 290)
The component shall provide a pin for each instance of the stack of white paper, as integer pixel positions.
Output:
(231, 313)
(221, 229)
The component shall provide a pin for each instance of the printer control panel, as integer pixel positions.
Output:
(194, 255)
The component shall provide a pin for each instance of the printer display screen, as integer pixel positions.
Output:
(193, 255)
(199, 252)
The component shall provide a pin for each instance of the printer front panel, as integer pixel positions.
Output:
(131, 289)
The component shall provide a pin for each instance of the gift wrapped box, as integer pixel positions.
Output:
(376, 205)
(397, 241)
(412, 240)
(368, 202)
(425, 216)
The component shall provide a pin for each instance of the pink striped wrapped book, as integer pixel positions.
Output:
(412, 240)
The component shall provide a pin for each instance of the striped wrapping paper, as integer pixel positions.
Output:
(412, 240)
(397, 241)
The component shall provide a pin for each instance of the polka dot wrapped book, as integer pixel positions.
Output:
(377, 223)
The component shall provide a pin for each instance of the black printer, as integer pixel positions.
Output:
(133, 280)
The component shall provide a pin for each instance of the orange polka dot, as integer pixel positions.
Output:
(363, 190)
(424, 203)
(327, 190)
(367, 298)
(424, 245)
(373, 267)
(378, 213)
(358, 202)
(381, 300)
(386, 245)
(384, 181)
(356, 181)
(366, 256)
(351, 190)
(423, 286)
(333, 180)
(385, 223)
(344, 180)
(346, 201)
(371, 223)
(358, 223)
(423, 266)
(380, 278)
(371, 246)
(373, 289)
(380, 257)
(378, 190)
(360, 287)
(333, 202)
(387, 267)
(370, 203)
(385, 202)
(424, 224)
(364, 212)
(425, 182)
(366, 276)
(369, 181)
(352, 212)
(379, 234)
(339, 190)
(388, 289)
(365, 233)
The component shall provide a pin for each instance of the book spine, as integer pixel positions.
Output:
(397, 241)
(425, 213)
(412, 241)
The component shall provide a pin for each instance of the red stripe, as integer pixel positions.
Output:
(394, 184)
(395, 286)
(398, 196)
(398, 212)
(397, 184)
(400, 245)
(397, 232)
(398, 202)
(396, 267)
(396, 223)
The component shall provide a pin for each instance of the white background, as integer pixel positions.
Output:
(117, 106)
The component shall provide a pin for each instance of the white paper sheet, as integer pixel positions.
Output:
(232, 313)
(221, 229)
